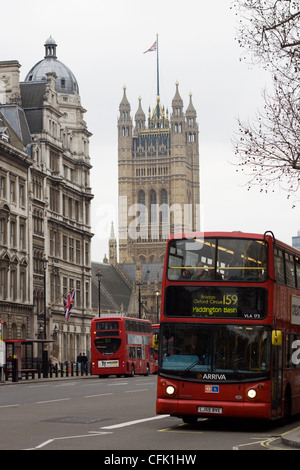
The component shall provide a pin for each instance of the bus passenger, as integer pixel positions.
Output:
(201, 273)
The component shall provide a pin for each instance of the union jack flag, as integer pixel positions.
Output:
(152, 48)
(68, 304)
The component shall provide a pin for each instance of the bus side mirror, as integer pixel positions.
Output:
(276, 338)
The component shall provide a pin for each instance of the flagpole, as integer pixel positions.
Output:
(157, 65)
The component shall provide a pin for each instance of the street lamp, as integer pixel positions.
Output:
(99, 275)
(45, 261)
(55, 331)
(44, 351)
(140, 303)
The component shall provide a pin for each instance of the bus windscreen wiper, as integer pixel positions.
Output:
(190, 367)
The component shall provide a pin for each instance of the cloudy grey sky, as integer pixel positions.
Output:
(102, 42)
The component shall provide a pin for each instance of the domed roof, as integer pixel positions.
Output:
(65, 79)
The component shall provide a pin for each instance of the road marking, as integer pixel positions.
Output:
(140, 390)
(136, 421)
(99, 395)
(52, 401)
(262, 441)
(119, 383)
(49, 441)
(66, 384)
(9, 406)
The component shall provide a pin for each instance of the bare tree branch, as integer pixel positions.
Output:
(268, 149)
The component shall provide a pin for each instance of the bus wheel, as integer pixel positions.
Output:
(147, 370)
(189, 419)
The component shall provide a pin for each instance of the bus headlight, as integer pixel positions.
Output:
(252, 393)
(170, 390)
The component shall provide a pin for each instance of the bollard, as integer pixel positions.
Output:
(14, 372)
(45, 363)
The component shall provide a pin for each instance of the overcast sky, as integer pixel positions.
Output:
(102, 42)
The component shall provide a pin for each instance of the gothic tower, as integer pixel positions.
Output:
(158, 163)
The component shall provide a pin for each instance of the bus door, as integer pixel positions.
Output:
(277, 377)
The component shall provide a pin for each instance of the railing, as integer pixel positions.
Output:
(64, 369)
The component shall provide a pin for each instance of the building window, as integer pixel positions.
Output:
(3, 283)
(13, 284)
(78, 252)
(87, 295)
(23, 287)
(13, 234)
(87, 254)
(65, 285)
(21, 195)
(3, 231)
(153, 206)
(71, 250)
(54, 200)
(22, 236)
(78, 293)
(12, 191)
(2, 187)
(65, 247)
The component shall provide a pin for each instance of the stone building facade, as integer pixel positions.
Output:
(46, 114)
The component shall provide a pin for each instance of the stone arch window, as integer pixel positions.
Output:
(153, 205)
(142, 202)
(142, 197)
(163, 197)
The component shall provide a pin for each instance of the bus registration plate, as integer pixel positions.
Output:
(111, 363)
(209, 409)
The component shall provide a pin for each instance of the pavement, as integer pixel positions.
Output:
(290, 438)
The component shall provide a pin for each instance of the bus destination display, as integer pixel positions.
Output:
(215, 305)
(216, 302)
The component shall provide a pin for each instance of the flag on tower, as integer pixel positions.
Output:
(152, 48)
(68, 304)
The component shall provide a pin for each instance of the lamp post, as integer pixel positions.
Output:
(44, 351)
(157, 313)
(140, 303)
(99, 275)
(45, 261)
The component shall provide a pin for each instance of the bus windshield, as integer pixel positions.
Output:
(107, 346)
(217, 259)
(230, 352)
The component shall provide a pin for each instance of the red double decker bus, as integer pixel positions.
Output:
(230, 327)
(121, 346)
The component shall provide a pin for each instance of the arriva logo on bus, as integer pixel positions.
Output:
(212, 376)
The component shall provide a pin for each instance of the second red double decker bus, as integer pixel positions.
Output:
(229, 327)
(121, 346)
